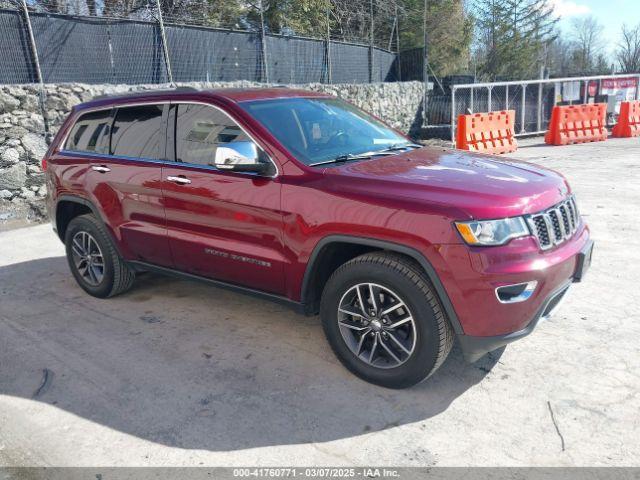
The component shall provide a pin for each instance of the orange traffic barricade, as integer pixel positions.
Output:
(577, 124)
(628, 121)
(490, 132)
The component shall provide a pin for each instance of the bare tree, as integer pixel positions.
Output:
(351, 19)
(559, 57)
(586, 36)
(628, 52)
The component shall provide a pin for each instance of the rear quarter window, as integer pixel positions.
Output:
(90, 133)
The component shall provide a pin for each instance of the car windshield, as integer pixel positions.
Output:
(322, 130)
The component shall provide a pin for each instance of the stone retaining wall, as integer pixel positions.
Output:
(22, 125)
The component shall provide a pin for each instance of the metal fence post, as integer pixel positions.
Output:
(472, 104)
(489, 92)
(371, 42)
(165, 47)
(32, 42)
(425, 67)
(453, 114)
(328, 50)
(263, 44)
(539, 103)
(398, 58)
(110, 47)
(539, 117)
(522, 114)
(36, 63)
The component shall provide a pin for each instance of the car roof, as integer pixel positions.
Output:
(230, 94)
(246, 94)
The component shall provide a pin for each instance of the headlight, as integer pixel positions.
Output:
(492, 232)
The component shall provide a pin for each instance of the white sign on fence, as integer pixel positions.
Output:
(570, 91)
(623, 89)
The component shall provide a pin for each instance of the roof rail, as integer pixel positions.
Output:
(145, 92)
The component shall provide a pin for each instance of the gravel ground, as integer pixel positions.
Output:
(180, 373)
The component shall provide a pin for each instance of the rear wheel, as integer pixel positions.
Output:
(384, 321)
(94, 260)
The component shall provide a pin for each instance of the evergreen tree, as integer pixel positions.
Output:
(293, 17)
(450, 33)
(513, 36)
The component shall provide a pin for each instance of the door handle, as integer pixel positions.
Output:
(179, 179)
(100, 168)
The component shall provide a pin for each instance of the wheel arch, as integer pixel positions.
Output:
(314, 275)
(70, 206)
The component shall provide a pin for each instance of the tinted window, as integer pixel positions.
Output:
(200, 129)
(87, 134)
(136, 132)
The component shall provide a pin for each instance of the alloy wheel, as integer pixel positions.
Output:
(87, 258)
(377, 325)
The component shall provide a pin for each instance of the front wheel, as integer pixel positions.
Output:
(383, 320)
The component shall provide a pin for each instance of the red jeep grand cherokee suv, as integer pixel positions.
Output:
(304, 199)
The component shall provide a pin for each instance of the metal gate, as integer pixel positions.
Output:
(533, 100)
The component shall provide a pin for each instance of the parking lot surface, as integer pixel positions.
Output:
(181, 373)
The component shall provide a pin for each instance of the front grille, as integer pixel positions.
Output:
(556, 224)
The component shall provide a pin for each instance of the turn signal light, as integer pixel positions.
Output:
(467, 233)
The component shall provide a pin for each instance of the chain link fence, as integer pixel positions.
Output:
(16, 61)
(50, 42)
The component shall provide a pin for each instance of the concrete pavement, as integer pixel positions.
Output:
(181, 373)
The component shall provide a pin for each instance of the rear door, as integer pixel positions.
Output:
(223, 225)
(125, 181)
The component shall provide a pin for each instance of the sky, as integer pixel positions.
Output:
(610, 13)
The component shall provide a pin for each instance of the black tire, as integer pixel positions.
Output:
(433, 335)
(117, 276)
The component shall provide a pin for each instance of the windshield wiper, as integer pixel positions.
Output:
(351, 157)
(365, 156)
(401, 146)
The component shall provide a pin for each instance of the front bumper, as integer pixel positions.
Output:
(475, 347)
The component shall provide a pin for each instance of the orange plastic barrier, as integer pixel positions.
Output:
(490, 132)
(629, 120)
(577, 124)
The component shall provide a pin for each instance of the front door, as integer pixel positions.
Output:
(223, 225)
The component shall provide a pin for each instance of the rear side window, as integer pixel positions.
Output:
(200, 129)
(90, 133)
(136, 132)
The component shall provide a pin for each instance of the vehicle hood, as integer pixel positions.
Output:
(482, 186)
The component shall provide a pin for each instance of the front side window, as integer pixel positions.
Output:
(207, 136)
(319, 129)
(136, 132)
(90, 133)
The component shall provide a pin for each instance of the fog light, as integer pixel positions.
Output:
(518, 292)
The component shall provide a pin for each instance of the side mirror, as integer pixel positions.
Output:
(240, 156)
